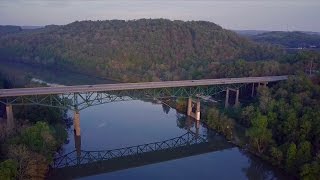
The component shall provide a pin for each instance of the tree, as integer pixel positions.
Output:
(213, 117)
(310, 171)
(292, 110)
(39, 138)
(291, 157)
(227, 126)
(30, 165)
(247, 114)
(290, 125)
(276, 155)
(181, 104)
(305, 129)
(22, 156)
(258, 133)
(304, 153)
(264, 99)
(220, 122)
(8, 169)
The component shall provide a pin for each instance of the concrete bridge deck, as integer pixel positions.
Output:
(134, 86)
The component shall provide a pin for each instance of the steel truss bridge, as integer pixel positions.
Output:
(81, 163)
(83, 96)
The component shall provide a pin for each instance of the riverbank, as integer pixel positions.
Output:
(281, 127)
(217, 118)
(20, 73)
(28, 149)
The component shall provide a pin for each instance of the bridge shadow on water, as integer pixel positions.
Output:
(81, 163)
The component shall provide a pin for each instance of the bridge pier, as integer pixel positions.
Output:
(252, 91)
(237, 98)
(262, 83)
(196, 114)
(226, 104)
(76, 123)
(189, 110)
(10, 119)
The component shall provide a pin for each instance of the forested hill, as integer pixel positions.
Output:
(4, 30)
(289, 39)
(139, 50)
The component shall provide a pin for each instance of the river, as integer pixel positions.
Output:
(131, 123)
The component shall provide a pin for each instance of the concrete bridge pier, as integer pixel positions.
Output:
(76, 123)
(237, 98)
(252, 91)
(191, 104)
(77, 134)
(226, 104)
(189, 110)
(264, 84)
(10, 119)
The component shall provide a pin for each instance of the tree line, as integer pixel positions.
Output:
(27, 151)
(283, 126)
(139, 50)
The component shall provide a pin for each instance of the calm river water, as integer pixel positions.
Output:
(129, 123)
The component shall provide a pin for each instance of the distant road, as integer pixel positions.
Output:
(132, 86)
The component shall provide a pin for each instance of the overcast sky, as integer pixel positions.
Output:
(231, 14)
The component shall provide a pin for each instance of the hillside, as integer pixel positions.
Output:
(4, 30)
(140, 50)
(249, 33)
(289, 39)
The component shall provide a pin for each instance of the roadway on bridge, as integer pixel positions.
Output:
(134, 86)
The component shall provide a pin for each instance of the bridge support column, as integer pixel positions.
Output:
(226, 103)
(263, 83)
(198, 111)
(191, 104)
(10, 119)
(236, 103)
(252, 91)
(237, 98)
(189, 110)
(76, 123)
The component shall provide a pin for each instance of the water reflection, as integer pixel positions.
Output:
(261, 171)
(81, 163)
(77, 144)
(166, 108)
